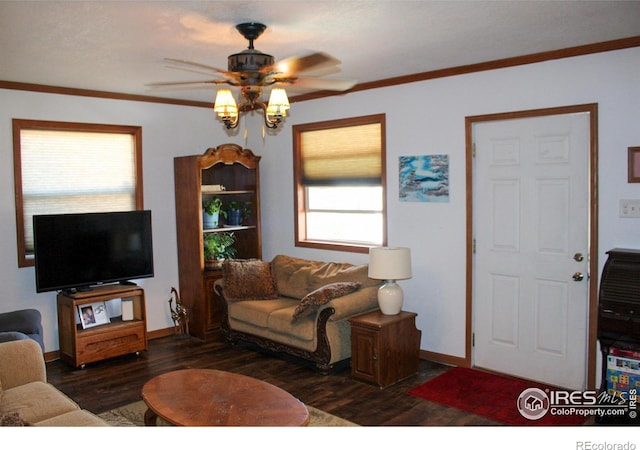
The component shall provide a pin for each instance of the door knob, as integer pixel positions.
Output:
(578, 257)
(578, 276)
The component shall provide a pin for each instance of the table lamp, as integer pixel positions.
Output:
(390, 264)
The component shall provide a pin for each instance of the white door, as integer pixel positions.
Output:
(531, 215)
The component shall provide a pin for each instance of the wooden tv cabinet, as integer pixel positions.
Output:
(80, 346)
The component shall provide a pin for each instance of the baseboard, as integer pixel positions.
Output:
(444, 359)
(157, 334)
(51, 356)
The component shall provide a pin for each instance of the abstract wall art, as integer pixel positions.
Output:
(424, 178)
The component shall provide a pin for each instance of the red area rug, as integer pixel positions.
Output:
(489, 395)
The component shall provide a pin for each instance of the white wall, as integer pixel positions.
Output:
(422, 118)
(428, 118)
(167, 131)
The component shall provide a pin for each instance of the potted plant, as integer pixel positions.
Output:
(211, 211)
(218, 247)
(237, 212)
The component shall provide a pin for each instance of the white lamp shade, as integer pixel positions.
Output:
(278, 103)
(225, 105)
(390, 263)
(278, 99)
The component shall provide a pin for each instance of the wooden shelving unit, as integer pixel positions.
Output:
(80, 346)
(197, 179)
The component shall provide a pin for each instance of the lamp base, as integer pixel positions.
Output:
(390, 298)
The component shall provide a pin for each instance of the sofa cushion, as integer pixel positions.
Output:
(36, 401)
(77, 418)
(256, 312)
(296, 277)
(280, 324)
(324, 295)
(248, 279)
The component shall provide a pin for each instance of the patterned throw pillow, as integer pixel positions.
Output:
(324, 295)
(13, 420)
(248, 279)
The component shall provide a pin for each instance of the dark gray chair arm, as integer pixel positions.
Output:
(27, 321)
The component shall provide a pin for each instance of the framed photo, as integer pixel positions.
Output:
(634, 165)
(93, 314)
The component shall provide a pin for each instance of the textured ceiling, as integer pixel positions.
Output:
(119, 46)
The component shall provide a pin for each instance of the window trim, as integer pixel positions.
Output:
(20, 124)
(300, 196)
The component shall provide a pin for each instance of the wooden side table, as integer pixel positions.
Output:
(384, 349)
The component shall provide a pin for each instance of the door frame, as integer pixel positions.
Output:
(470, 121)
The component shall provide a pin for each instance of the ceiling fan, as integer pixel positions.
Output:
(252, 70)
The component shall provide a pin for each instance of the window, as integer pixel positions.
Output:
(64, 167)
(340, 177)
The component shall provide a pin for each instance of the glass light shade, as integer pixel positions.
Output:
(225, 105)
(278, 103)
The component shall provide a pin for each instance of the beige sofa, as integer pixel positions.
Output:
(25, 396)
(296, 307)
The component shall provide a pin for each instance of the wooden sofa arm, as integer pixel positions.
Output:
(21, 362)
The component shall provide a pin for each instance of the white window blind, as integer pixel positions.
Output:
(340, 173)
(348, 155)
(75, 172)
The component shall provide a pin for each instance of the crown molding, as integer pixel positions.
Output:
(600, 47)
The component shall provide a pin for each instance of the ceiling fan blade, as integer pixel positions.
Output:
(196, 64)
(186, 69)
(298, 64)
(324, 84)
(184, 83)
(322, 71)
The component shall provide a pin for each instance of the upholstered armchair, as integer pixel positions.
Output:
(22, 324)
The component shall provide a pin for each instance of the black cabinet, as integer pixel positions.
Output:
(619, 327)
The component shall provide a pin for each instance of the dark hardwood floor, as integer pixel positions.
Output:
(105, 385)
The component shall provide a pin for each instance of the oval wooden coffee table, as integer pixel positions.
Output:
(203, 397)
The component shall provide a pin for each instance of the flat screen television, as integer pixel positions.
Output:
(78, 251)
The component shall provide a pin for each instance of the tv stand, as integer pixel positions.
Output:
(75, 290)
(80, 346)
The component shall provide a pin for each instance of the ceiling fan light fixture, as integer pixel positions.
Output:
(276, 109)
(226, 108)
(251, 71)
(278, 102)
(249, 60)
